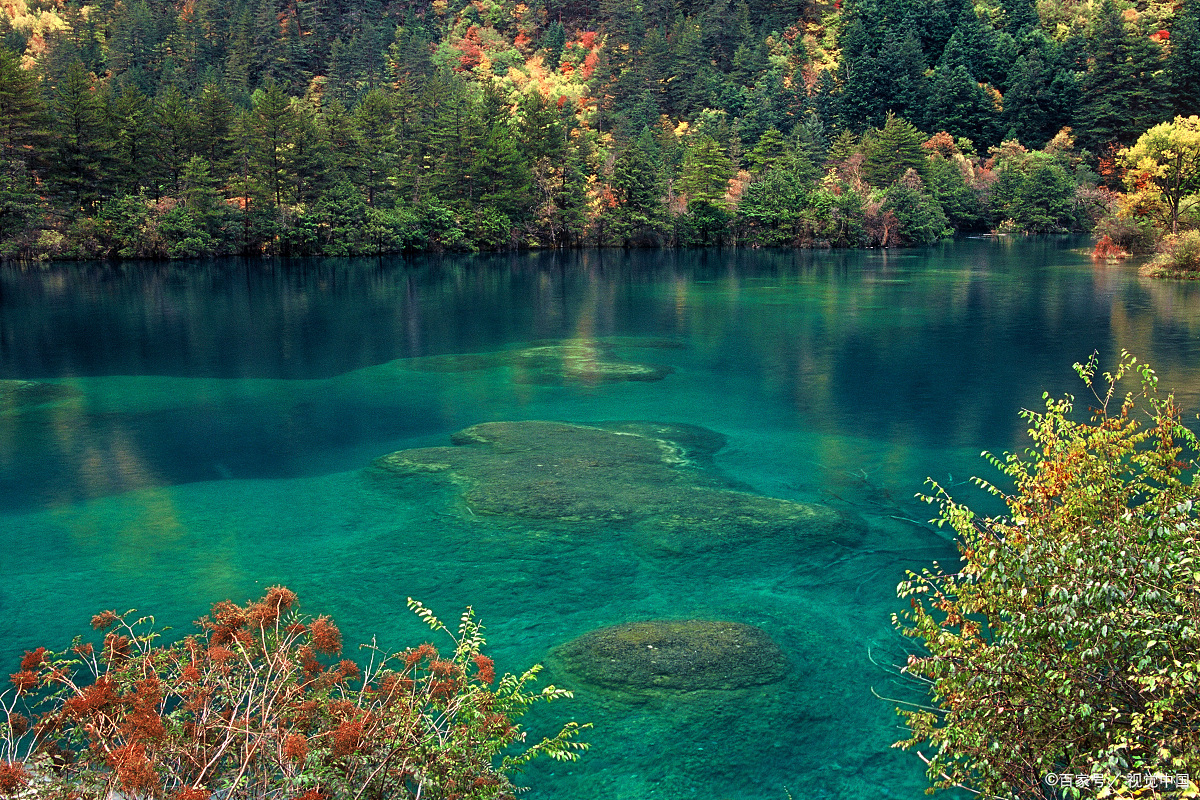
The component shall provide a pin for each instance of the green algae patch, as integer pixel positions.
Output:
(654, 479)
(15, 394)
(553, 362)
(684, 655)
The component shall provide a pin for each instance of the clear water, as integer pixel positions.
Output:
(216, 418)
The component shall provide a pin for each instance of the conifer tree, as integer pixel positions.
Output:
(214, 116)
(638, 187)
(377, 148)
(270, 123)
(20, 108)
(20, 132)
(175, 125)
(81, 141)
(1122, 89)
(135, 139)
(503, 175)
(960, 107)
(893, 150)
(1183, 63)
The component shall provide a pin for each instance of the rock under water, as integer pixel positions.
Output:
(552, 362)
(674, 654)
(656, 479)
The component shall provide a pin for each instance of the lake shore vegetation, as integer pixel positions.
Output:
(168, 129)
(1068, 638)
(261, 704)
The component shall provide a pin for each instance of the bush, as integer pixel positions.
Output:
(1178, 256)
(256, 706)
(1068, 639)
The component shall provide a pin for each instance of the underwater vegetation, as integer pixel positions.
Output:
(16, 394)
(552, 362)
(674, 654)
(655, 478)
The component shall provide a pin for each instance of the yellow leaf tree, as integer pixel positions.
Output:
(1166, 160)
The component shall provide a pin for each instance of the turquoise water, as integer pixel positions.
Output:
(207, 426)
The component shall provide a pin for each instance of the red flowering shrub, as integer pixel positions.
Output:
(246, 710)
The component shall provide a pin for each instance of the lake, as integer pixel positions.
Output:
(201, 431)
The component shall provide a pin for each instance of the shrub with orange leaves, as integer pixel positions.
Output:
(247, 710)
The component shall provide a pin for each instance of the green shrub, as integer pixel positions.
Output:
(1068, 638)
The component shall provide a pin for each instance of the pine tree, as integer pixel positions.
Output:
(214, 115)
(960, 107)
(1183, 63)
(859, 103)
(20, 108)
(706, 171)
(133, 44)
(638, 187)
(374, 124)
(269, 132)
(134, 141)
(1122, 92)
(503, 175)
(174, 145)
(893, 150)
(900, 76)
(20, 132)
(1041, 97)
(553, 43)
(81, 141)
(540, 131)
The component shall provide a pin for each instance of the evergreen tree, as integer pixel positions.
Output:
(1122, 91)
(268, 131)
(377, 148)
(1183, 63)
(769, 151)
(900, 76)
(20, 108)
(960, 107)
(503, 175)
(1019, 15)
(638, 187)
(133, 45)
(135, 139)
(408, 57)
(174, 143)
(706, 171)
(213, 119)
(1042, 94)
(858, 104)
(81, 141)
(553, 43)
(20, 133)
(893, 150)
(266, 58)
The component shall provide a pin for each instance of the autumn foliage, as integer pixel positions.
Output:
(258, 704)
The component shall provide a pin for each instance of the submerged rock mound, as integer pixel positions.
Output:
(559, 361)
(19, 394)
(674, 654)
(654, 478)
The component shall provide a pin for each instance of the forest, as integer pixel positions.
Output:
(186, 128)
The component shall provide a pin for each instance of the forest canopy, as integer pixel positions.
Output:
(159, 128)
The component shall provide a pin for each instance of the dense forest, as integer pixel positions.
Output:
(175, 128)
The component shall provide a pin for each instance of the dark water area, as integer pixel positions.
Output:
(176, 434)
